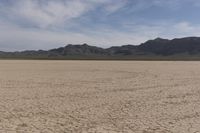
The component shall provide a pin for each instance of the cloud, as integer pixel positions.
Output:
(44, 14)
(44, 24)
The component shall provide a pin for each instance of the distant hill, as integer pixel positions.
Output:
(158, 49)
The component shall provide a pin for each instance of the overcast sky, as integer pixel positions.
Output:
(44, 24)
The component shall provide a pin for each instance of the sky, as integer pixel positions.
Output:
(46, 24)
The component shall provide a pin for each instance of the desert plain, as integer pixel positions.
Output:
(38, 96)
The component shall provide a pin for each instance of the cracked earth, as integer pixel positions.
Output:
(99, 97)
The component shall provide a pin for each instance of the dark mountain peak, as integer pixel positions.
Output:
(78, 45)
(189, 45)
(85, 44)
(155, 46)
(160, 39)
(155, 42)
(79, 49)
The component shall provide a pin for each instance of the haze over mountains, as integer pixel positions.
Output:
(180, 49)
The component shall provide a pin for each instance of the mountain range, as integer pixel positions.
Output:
(187, 48)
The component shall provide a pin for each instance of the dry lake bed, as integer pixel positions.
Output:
(99, 96)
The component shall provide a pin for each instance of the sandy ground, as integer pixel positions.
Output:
(99, 97)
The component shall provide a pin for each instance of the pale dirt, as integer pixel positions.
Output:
(99, 97)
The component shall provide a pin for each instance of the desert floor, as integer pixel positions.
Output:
(99, 96)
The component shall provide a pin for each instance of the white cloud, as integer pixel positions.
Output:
(48, 13)
(184, 27)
